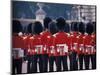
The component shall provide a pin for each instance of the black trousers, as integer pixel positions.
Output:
(38, 59)
(87, 61)
(45, 62)
(51, 63)
(30, 64)
(81, 61)
(93, 60)
(17, 64)
(63, 60)
(73, 61)
(34, 65)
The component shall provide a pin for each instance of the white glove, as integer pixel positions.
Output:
(65, 48)
(92, 48)
(52, 51)
(44, 48)
(58, 50)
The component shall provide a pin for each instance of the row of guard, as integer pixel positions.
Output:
(54, 42)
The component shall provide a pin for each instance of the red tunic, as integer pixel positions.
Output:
(50, 45)
(80, 44)
(17, 45)
(44, 37)
(88, 44)
(74, 41)
(94, 42)
(17, 42)
(26, 42)
(36, 44)
(62, 43)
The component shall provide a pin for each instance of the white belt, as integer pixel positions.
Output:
(65, 48)
(18, 52)
(38, 48)
(81, 47)
(88, 46)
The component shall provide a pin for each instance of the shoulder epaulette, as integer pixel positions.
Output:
(48, 36)
(31, 37)
(54, 35)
